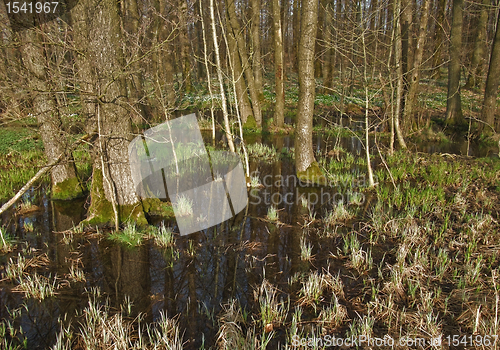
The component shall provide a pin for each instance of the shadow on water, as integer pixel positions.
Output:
(201, 272)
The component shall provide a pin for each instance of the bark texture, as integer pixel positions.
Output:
(304, 155)
(492, 82)
(256, 53)
(479, 48)
(454, 104)
(111, 180)
(242, 49)
(65, 184)
(279, 109)
(413, 84)
(241, 89)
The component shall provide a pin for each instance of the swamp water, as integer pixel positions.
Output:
(202, 271)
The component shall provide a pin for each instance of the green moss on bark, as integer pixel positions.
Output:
(68, 189)
(101, 210)
(251, 124)
(154, 206)
(312, 175)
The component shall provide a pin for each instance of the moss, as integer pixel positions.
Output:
(101, 210)
(68, 189)
(251, 124)
(312, 175)
(154, 206)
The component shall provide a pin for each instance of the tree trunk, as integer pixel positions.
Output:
(454, 105)
(407, 39)
(479, 48)
(492, 81)
(242, 49)
(185, 46)
(241, 89)
(438, 40)
(9, 67)
(256, 57)
(296, 33)
(225, 114)
(411, 97)
(279, 109)
(130, 23)
(113, 196)
(328, 62)
(399, 74)
(305, 163)
(65, 184)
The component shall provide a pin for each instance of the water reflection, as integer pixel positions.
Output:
(202, 271)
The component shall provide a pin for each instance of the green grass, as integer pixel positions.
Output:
(38, 286)
(183, 206)
(262, 152)
(130, 236)
(272, 213)
(163, 236)
(7, 242)
(16, 140)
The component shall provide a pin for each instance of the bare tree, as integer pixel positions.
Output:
(65, 184)
(398, 50)
(414, 82)
(245, 62)
(279, 109)
(479, 47)
(113, 196)
(454, 104)
(492, 82)
(305, 163)
(256, 49)
(221, 79)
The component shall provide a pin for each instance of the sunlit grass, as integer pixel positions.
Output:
(38, 286)
(130, 236)
(163, 235)
(262, 152)
(183, 206)
(6, 241)
(272, 213)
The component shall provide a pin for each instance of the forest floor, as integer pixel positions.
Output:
(412, 261)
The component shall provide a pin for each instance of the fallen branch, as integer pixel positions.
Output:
(40, 173)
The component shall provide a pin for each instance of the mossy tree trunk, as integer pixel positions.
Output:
(112, 185)
(306, 166)
(65, 184)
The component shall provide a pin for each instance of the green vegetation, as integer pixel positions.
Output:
(312, 175)
(6, 241)
(163, 236)
(130, 236)
(272, 213)
(262, 152)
